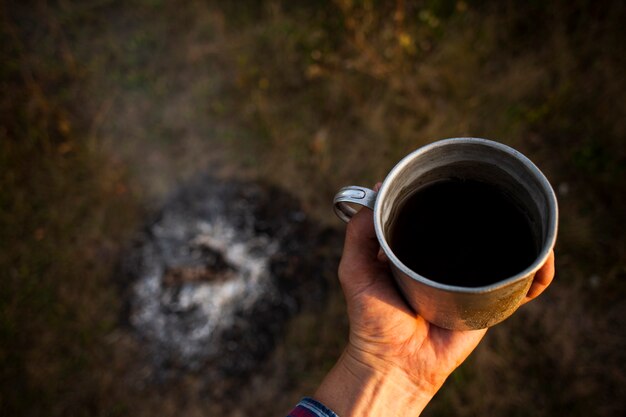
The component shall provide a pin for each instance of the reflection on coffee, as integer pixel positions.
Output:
(463, 232)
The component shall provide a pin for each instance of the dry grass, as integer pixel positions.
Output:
(107, 105)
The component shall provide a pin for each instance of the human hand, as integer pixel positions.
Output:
(395, 360)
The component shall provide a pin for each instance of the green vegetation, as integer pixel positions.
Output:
(107, 105)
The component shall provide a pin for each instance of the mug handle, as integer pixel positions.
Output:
(356, 195)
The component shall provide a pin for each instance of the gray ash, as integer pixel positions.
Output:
(212, 280)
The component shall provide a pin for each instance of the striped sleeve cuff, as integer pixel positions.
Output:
(308, 407)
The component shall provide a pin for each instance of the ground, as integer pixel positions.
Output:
(107, 106)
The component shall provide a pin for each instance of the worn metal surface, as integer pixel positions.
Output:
(353, 195)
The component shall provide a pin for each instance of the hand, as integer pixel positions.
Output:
(395, 360)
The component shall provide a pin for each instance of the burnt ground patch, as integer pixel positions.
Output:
(211, 280)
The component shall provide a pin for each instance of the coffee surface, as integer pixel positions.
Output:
(463, 232)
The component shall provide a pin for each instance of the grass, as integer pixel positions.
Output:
(107, 105)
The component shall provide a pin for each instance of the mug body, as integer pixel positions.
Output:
(456, 307)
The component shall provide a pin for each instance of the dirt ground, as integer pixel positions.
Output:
(106, 107)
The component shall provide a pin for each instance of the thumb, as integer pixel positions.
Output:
(361, 246)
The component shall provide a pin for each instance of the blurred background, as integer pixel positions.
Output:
(108, 106)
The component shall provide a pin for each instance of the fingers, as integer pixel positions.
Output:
(542, 279)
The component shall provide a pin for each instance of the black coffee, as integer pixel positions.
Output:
(462, 232)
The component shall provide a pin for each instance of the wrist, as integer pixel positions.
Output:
(359, 385)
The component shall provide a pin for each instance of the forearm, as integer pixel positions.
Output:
(355, 388)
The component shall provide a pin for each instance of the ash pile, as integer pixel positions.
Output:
(211, 282)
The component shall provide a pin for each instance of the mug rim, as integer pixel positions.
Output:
(541, 258)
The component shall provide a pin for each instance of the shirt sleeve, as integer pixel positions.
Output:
(308, 407)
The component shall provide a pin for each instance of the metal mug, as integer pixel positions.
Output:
(449, 306)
